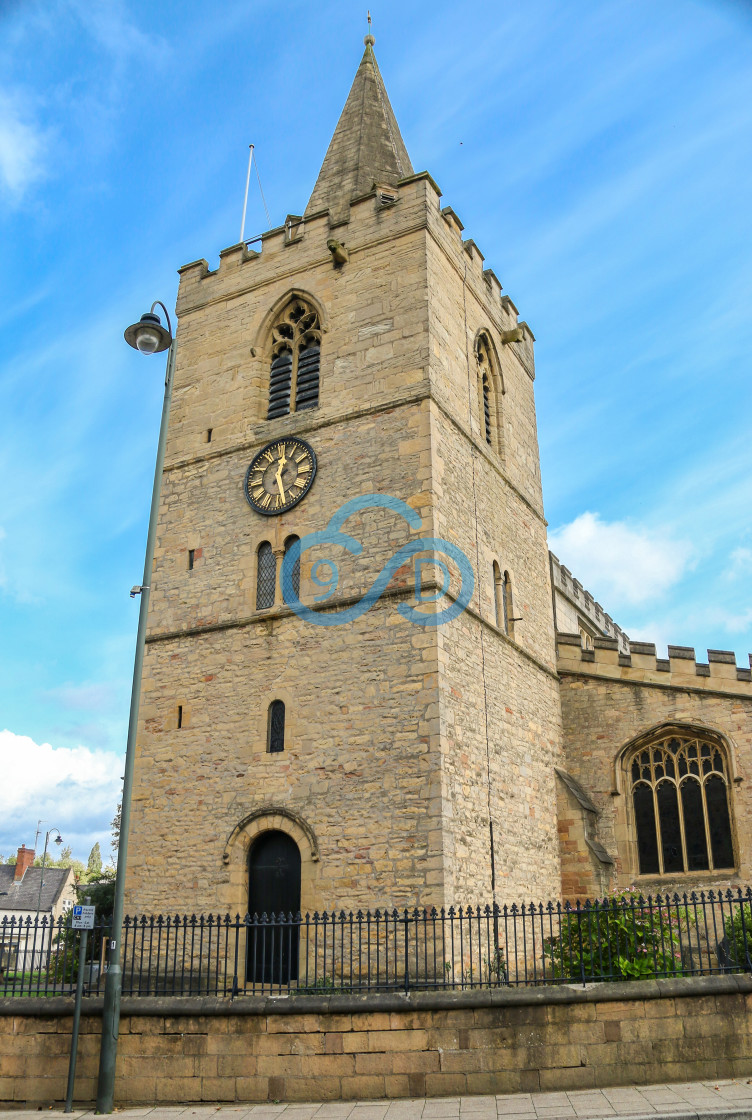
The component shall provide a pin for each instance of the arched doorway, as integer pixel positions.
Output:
(273, 889)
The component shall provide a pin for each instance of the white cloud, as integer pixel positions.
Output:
(21, 147)
(740, 564)
(621, 565)
(84, 697)
(74, 789)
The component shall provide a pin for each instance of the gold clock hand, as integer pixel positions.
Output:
(282, 462)
(278, 479)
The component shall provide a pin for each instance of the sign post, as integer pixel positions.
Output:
(83, 919)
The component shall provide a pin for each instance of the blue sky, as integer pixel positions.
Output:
(599, 153)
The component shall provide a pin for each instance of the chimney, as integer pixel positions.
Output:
(25, 859)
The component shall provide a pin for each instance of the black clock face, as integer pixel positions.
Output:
(280, 475)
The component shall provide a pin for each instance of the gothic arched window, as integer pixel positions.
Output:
(266, 576)
(276, 727)
(295, 570)
(680, 796)
(503, 600)
(486, 390)
(506, 582)
(498, 596)
(296, 353)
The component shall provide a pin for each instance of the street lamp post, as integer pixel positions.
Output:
(149, 337)
(58, 841)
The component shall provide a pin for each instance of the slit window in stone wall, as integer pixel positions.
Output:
(680, 798)
(296, 360)
(266, 576)
(276, 727)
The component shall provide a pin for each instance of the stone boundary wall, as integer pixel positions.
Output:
(680, 669)
(299, 1048)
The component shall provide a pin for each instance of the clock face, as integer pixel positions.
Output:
(280, 475)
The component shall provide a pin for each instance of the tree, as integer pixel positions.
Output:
(115, 843)
(94, 865)
(101, 892)
(65, 859)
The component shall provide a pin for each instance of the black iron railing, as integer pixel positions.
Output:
(623, 937)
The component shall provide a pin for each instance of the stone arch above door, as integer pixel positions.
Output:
(265, 819)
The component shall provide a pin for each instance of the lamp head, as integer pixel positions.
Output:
(58, 839)
(148, 335)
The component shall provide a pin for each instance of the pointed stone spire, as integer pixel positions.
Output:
(366, 147)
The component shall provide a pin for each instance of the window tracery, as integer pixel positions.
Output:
(296, 358)
(680, 798)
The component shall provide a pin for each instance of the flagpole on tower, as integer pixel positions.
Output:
(245, 200)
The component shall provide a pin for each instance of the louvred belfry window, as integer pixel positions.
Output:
(485, 377)
(296, 355)
(680, 796)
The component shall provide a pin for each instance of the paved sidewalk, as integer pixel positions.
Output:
(728, 1100)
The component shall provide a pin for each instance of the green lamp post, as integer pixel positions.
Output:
(149, 337)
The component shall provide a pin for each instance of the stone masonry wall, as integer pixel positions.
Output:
(609, 699)
(500, 719)
(359, 774)
(345, 1048)
(397, 740)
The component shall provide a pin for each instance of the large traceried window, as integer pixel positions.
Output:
(296, 353)
(680, 796)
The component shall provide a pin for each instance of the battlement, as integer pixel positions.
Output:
(584, 603)
(641, 664)
(311, 240)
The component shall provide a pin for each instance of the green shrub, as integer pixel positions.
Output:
(736, 952)
(63, 965)
(496, 968)
(619, 939)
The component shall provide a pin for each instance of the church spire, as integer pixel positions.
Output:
(366, 147)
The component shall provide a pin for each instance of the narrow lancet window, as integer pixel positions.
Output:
(295, 574)
(508, 611)
(266, 576)
(276, 727)
(296, 359)
(498, 596)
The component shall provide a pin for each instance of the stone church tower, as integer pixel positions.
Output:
(363, 350)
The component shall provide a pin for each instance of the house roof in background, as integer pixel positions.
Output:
(23, 895)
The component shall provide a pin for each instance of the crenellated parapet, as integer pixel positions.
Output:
(582, 602)
(641, 664)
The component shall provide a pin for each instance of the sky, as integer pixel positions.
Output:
(599, 152)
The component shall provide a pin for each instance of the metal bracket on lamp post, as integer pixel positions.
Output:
(150, 337)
